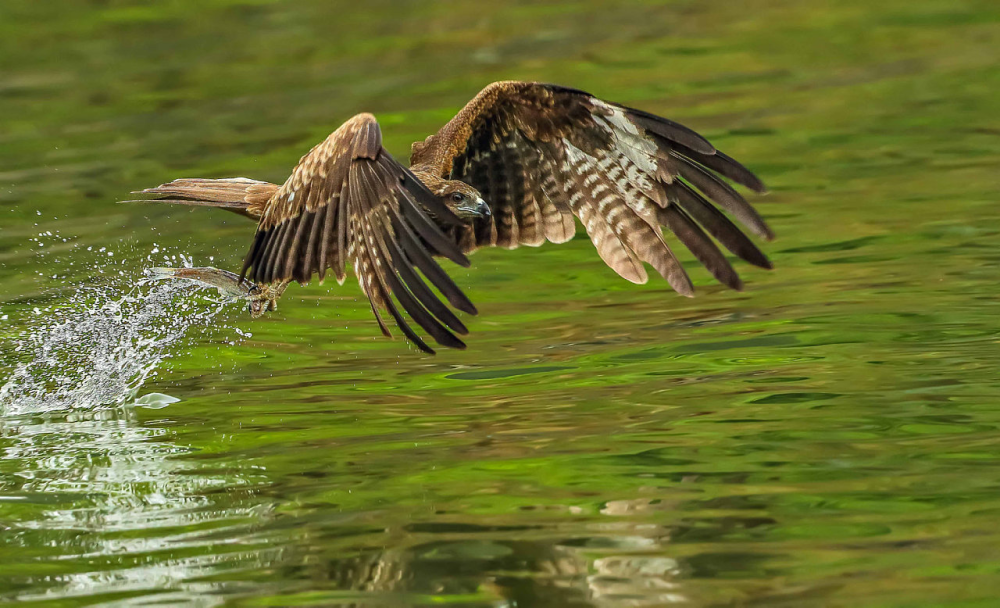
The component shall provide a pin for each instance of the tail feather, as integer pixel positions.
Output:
(238, 194)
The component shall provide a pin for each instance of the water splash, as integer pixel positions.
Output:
(100, 345)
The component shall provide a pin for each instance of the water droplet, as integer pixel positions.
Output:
(155, 401)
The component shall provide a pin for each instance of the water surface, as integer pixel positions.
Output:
(829, 437)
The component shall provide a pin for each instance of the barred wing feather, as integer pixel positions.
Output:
(348, 200)
(541, 154)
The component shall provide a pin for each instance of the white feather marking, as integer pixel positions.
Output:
(632, 143)
(612, 214)
(607, 199)
(575, 155)
(615, 171)
(633, 173)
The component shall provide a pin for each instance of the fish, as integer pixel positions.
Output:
(226, 283)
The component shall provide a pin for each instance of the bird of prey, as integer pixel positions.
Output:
(514, 167)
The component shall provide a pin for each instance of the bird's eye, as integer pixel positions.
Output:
(458, 197)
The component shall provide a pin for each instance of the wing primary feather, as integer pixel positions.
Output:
(420, 290)
(285, 251)
(248, 260)
(378, 317)
(671, 269)
(429, 231)
(312, 246)
(724, 166)
(700, 245)
(294, 262)
(260, 266)
(265, 237)
(328, 226)
(272, 252)
(720, 192)
(274, 265)
(431, 269)
(343, 213)
(407, 330)
(670, 130)
(375, 231)
(364, 264)
(718, 225)
(420, 193)
(419, 314)
(367, 245)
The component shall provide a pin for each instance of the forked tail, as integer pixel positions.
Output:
(238, 194)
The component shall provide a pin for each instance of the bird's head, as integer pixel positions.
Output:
(463, 200)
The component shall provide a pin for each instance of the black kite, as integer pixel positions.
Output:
(512, 168)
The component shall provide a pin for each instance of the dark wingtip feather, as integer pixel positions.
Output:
(430, 232)
(716, 223)
(431, 269)
(717, 190)
(760, 261)
(670, 130)
(724, 165)
(765, 233)
(740, 174)
(422, 346)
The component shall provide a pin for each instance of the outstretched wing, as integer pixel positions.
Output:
(540, 154)
(349, 200)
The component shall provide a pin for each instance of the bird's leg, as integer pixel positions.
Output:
(264, 297)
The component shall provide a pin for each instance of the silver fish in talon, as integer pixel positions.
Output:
(260, 298)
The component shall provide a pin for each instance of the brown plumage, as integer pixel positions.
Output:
(513, 167)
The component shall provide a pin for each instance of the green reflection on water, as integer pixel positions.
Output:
(828, 437)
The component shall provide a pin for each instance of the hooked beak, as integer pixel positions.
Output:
(475, 210)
